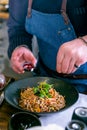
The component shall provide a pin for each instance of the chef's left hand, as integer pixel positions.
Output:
(71, 55)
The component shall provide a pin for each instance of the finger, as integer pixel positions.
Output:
(71, 66)
(30, 58)
(75, 67)
(16, 59)
(77, 64)
(60, 58)
(65, 64)
(17, 67)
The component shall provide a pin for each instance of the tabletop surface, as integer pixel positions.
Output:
(5, 113)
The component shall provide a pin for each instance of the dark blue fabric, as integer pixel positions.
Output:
(18, 11)
(51, 32)
(16, 24)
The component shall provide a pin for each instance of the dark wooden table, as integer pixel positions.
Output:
(5, 113)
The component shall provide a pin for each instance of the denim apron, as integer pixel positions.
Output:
(51, 32)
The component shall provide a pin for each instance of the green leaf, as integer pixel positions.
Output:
(42, 89)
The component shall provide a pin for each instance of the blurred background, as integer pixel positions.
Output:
(4, 60)
(4, 8)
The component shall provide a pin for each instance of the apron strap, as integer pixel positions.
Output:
(29, 7)
(63, 6)
(63, 11)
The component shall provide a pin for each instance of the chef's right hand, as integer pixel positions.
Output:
(19, 56)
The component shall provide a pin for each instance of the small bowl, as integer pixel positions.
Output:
(23, 120)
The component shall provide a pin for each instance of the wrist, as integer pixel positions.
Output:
(21, 46)
(83, 39)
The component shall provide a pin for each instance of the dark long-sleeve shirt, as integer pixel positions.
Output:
(76, 10)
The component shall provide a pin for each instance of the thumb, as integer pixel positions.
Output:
(29, 57)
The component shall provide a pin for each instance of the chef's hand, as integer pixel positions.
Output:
(71, 55)
(19, 56)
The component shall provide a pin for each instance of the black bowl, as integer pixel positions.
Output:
(23, 120)
(12, 92)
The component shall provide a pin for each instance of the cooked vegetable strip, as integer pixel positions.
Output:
(43, 98)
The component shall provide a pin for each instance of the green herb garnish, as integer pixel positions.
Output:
(42, 90)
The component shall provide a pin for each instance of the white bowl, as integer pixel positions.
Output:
(48, 127)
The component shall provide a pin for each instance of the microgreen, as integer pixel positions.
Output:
(42, 90)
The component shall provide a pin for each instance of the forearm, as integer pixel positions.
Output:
(16, 25)
(19, 39)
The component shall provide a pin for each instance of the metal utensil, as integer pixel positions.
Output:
(2, 97)
(2, 81)
(2, 85)
(28, 66)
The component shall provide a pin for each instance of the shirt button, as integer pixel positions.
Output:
(68, 28)
(59, 32)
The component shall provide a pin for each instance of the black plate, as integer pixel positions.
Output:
(12, 91)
